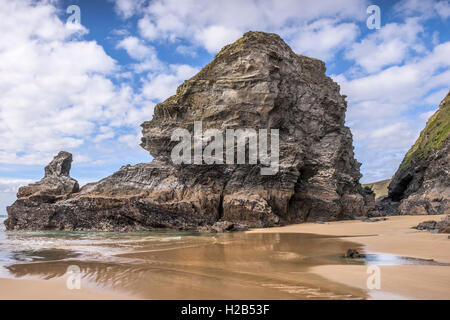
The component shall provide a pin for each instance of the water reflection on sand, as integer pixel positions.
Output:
(168, 265)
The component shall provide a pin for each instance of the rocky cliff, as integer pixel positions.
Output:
(257, 83)
(421, 184)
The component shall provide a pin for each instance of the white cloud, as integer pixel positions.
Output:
(435, 38)
(127, 8)
(374, 124)
(323, 38)
(389, 45)
(186, 50)
(424, 9)
(402, 83)
(57, 92)
(212, 24)
(426, 115)
(138, 50)
(381, 165)
(163, 85)
(213, 38)
(104, 133)
(443, 9)
(132, 140)
(399, 134)
(147, 28)
(12, 185)
(433, 99)
(392, 84)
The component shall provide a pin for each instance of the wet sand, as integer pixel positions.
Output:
(302, 261)
(14, 289)
(222, 266)
(397, 282)
(393, 236)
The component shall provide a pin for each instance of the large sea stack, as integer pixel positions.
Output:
(257, 83)
(421, 184)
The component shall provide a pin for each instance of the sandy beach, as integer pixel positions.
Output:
(271, 263)
(393, 236)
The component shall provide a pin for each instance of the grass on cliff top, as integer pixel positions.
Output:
(432, 136)
(380, 188)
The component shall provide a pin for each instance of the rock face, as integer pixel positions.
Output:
(442, 226)
(257, 83)
(421, 185)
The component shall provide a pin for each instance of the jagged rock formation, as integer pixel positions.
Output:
(421, 185)
(258, 82)
(56, 183)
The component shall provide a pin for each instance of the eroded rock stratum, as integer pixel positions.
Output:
(258, 82)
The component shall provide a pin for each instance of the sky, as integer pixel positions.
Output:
(86, 87)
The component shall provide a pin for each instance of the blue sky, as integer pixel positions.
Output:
(87, 88)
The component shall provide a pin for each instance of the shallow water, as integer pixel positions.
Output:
(180, 265)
